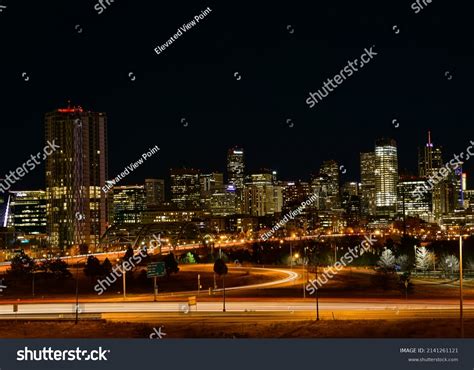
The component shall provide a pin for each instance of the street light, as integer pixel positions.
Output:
(77, 290)
(460, 286)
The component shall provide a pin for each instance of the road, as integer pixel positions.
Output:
(136, 311)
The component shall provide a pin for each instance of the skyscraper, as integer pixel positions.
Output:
(261, 196)
(236, 174)
(235, 167)
(185, 188)
(430, 158)
(155, 192)
(76, 207)
(331, 170)
(386, 177)
(409, 204)
(367, 188)
(210, 184)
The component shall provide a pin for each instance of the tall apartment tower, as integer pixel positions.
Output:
(386, 177)
(367, 187)
(76, 206)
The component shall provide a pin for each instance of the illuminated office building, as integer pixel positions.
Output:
(155, 192)
(76, 206)
(386, 177)
(367, 186)
(320, 185)
(351, 201)
(430, 159)
(222, 203)
(331, 170)
(129, 202)
(210, 184)
(236, 175)
(185, 188)
(294, 193)
(235, 168)
(261, 196)
(27, 212)
(410, 203)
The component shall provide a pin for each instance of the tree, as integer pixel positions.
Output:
(59, 269)
(106, 267)
(22, 266)
(387, 261)
(128, 254)
(449, 264)
(171, 265)
(424, 259)
(190, 258)
(93, 267)
(403, 262)
(220, 268)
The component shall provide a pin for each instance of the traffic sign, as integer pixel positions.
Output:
(155, 269)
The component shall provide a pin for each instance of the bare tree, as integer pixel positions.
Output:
(387, 260)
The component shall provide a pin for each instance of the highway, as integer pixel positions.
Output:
(253, 306)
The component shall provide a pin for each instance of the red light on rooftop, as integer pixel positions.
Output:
(77, 109)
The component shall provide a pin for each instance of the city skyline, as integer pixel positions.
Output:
(408, 90)
(344, 175)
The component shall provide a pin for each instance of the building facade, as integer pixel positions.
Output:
(155, 192)
(386, 177)
(28, 211)
(367, 187)
(185, 188)
(76, 206)
(129, 202)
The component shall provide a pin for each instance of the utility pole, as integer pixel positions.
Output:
(124, 273)
(199, 283)
(291, 257)
(77, 292)
(317, 295)
(460, 286)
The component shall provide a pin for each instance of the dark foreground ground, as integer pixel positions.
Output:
(419, 328)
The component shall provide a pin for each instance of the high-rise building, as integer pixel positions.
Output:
(410, 204)
(155, 192)
(261, 196)
(185, 188)
(222, 203)
(386, 177)
(331, 170)
(294, 193)
(320, 185)
(367, 186)
(28, 211)
(210, 184)
(76, 206)
(430, 158)
(129, 202)
(351, 202)
(235, 168)
(236, 175)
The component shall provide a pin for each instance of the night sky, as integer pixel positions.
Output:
(194, 80)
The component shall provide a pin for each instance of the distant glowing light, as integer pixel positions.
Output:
(71, 110)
